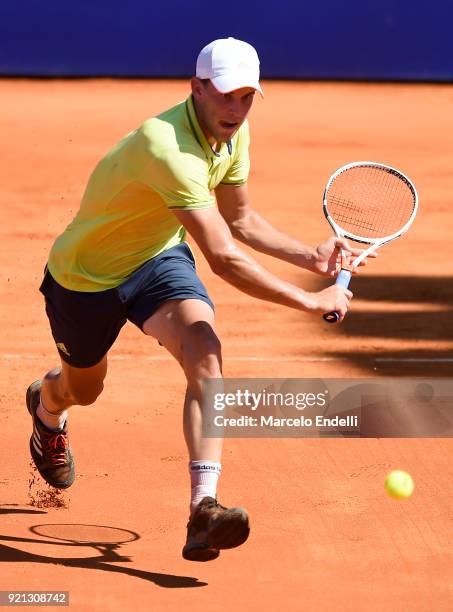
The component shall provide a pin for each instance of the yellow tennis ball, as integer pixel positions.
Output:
(399, 484)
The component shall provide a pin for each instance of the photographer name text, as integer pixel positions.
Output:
(349, 421)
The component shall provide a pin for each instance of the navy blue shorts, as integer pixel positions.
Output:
(85, 324)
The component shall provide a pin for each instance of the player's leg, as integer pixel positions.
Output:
(48, 401)
(166, 299)
(187, 329)
(84, 326)
(67, 386)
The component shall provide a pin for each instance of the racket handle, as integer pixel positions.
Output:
(343, 279)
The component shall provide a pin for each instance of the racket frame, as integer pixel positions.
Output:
(374, 242)
(344, 275)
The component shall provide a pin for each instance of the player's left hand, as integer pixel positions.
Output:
(334, 254)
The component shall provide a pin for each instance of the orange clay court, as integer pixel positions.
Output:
(325, 535)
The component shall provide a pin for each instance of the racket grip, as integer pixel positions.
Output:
(343, 279)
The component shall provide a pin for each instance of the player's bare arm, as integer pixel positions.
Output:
(249, 227)
(212, 234)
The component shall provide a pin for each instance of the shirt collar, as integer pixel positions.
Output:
(199, 135)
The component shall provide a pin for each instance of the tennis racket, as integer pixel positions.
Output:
(369, 203)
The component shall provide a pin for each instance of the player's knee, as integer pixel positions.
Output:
(202, 352)
(208, 367)
(85, 395)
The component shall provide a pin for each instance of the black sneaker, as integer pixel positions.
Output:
(213, 527)
(50, 450)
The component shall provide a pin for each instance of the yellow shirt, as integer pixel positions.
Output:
(125, 217)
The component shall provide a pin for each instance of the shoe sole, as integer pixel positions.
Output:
(200, 553)
(35, 458)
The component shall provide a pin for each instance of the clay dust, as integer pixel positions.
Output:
(42, 495)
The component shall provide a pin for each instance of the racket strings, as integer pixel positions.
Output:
(348, 212)
(370, 202)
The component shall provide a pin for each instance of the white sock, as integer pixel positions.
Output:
(203, 478)
(54, 422)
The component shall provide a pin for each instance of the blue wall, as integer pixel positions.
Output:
(321, 39)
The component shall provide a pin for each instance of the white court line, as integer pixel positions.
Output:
(308, 359)
(417, 359)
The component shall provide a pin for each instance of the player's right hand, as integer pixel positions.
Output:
(333, 299)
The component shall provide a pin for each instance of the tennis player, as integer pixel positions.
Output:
(124, 257)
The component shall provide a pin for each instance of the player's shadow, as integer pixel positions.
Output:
(403, 325)
(413, 310)
(404, 289)
(16, 509)
(103, 561)
(429, 316)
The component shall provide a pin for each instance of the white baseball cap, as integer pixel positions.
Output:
(230, 64)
